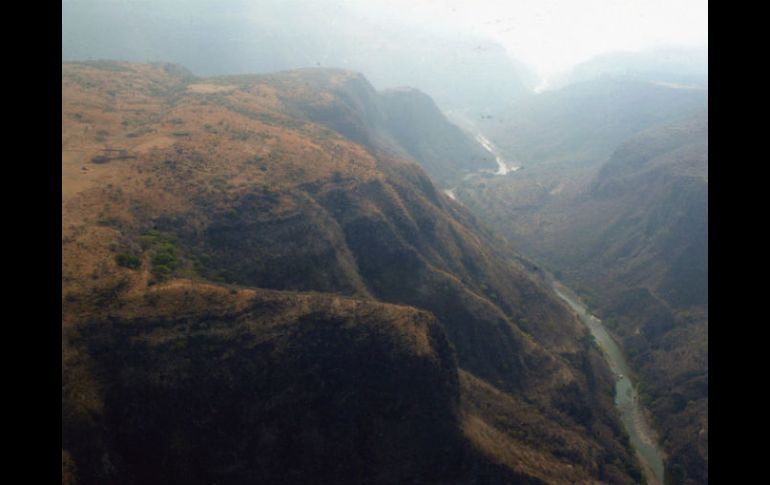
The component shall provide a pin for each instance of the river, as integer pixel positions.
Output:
(503, 166)
(632, 414)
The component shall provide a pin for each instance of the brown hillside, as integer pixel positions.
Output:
(173, 184)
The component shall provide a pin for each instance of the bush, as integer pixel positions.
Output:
(127, 260)
(163, 259)
(161, 270)
(164, 251)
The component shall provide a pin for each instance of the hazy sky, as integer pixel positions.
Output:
(549, 35)
(552, 35)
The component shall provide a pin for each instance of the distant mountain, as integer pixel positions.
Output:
(581, 124)
(256, 287)
(686, 67)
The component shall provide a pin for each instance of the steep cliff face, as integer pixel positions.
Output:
(234, 186)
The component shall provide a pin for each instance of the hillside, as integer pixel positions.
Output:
(215, 228)
(404, 122)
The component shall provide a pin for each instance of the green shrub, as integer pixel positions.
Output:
(127, 260)
(161, 270)
(163, 259)
(164, 251)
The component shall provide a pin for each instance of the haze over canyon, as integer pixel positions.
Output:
(323, 242)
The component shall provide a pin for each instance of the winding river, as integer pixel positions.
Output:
(632, 413)
(503, 166)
